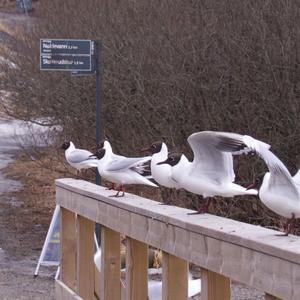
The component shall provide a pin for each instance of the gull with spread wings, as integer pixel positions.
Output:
(277, 189)
(211, 172)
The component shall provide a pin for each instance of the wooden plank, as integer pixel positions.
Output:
(175, 278)
(85, 258)
(68, 248)
(155, 226)
(62, 292)
(136, 270)
(214, 286)
(270, 297)
(110, 265)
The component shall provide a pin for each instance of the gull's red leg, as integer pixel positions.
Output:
(203, 209)
(288, 226)
(112, 187)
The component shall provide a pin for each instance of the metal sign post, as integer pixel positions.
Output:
(98, 65)
(80, 57)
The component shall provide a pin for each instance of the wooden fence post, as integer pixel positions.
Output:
(136, 270)
(85, 258)
(214, 286)
(68, 248)
(110, 285)
(175, 278)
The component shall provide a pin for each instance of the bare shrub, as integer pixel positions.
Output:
(171, 68)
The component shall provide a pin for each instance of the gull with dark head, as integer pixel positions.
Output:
(110, 155)
(105, 144)
(211, 172)
(277, 189)
(161, 173)
(123, 171)
(78, 158)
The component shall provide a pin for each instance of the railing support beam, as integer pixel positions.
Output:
(214, 286)
(68, 248)
(175, 278)
(85, 258)
(136, 270)
(110, 285)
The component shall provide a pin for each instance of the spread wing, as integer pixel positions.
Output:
(237, 143)
(79, 155)
(280, 177)
(209, 161)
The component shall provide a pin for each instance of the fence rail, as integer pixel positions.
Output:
(224, 249)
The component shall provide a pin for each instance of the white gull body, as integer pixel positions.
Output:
(109, 152)
(279, 191)
(79, 158)
(162, 174)
(211, 171)
(124, 170)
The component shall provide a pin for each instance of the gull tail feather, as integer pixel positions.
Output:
(92, 163)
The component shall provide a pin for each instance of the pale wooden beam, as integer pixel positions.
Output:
(110, 285)
(175, 278)
(214, 286)
(68, 248)
(85, 258)
(136, 270)
(62, 292)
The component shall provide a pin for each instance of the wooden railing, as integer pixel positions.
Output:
(224, 249)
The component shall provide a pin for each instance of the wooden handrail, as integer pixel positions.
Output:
(224, 248)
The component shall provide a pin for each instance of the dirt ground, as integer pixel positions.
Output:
(24, 221)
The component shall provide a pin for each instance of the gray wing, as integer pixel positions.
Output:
(237, 143)
(79, 155)
(127, 163)
(208, 160)
(280, 177)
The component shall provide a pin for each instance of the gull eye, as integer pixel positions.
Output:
(153, 146)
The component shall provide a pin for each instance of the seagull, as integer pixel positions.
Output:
(277, 189)
(162, 174)
(211, 171)
(78, 158)
(122, 171)
(105, 144)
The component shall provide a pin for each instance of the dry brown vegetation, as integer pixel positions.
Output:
(171, 68)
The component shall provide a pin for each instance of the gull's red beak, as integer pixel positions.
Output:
(145, 150)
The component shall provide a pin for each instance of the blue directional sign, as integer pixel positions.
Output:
(65, 55)
(65, 62)
(73, 47)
